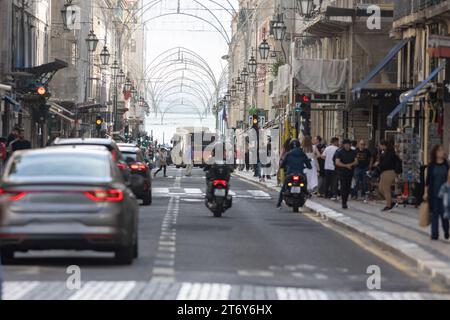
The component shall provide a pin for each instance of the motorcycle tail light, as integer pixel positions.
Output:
(296, 178)
(222, 183)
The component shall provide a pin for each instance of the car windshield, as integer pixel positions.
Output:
(30, 167)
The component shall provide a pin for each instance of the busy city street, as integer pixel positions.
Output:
(254, 252)
(186, 152)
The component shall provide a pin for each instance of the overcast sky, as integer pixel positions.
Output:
(180, 30)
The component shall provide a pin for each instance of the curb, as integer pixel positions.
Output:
(427, 263)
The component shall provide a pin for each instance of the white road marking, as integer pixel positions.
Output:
(95, 290)
(255, 273)
(160, 190)
(16, 290)
(193, 191)
(259, 194)
(204, 291)
(121, 290)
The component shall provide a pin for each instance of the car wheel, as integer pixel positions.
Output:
(148, 199)
(135, 250)
(124, 255)
(7, 256)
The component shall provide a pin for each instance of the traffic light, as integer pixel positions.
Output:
(303, 109)
(99, 122)
(255, 121)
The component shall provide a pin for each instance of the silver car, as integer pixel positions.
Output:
(68, 198)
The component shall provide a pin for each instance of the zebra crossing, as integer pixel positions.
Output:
(197, 192)
(163, 290)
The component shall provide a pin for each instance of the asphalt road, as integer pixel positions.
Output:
(183, 249)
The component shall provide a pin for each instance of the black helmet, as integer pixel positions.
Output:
(294, 144)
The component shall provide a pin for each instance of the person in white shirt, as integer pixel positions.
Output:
(331, 181)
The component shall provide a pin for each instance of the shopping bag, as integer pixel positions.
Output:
(424, 214)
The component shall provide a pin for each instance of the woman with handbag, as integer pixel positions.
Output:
(436, 177)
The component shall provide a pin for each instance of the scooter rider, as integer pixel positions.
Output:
(294, 162)
(216, 169)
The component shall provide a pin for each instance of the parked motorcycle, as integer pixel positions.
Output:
(296, 192)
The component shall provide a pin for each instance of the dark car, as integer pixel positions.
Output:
(68, 198)
(140, 170)
(109, 143)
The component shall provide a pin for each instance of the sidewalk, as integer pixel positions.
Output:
(397, 231)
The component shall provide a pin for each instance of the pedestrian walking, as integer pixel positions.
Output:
(345, 162)
(386, 167)
(319, 148)
(444, 194)
(312, 175)
(437, 177)
(162, 162)
(365, 163)
(331, 181)
(189, 165)
(266, 167)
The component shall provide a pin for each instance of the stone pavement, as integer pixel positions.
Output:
(397, 231)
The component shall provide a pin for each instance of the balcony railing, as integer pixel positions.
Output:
(404, 8)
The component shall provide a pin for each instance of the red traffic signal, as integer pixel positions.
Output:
(41, 90)
(306, 99)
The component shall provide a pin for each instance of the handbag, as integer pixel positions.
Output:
(424, 214)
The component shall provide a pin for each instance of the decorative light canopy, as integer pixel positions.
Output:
(104, 56)
(92, 41)
(264, 49)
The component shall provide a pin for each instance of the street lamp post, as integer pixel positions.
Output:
(104, 56)
(264, 49)
(92, 42)
(114, 68)
(68, 14)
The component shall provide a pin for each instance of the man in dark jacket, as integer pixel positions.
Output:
(294, 162)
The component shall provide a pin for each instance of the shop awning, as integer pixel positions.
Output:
(10, 100)
(61, 115)
(402, 106)
(61, 108)
(392, 53)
